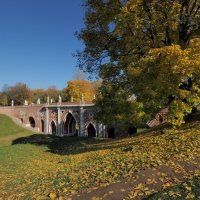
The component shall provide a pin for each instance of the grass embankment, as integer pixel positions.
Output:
(9, 130)
(39, 165)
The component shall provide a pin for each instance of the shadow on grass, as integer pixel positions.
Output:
(70, 145)
(75, 145)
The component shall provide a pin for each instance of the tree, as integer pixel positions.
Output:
(76, 88)
(3, 99)
(38, 94)
(18, 93)
(127, 42)
(126, 111)
(53, 93)
(169, 71)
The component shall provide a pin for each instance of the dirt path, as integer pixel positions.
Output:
(146, 182)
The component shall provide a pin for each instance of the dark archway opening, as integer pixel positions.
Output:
(53, 128)
(132, 130)
(22, 121)
(191, 116)
(111, 132)
(32, 122)
(42, 125)
(70, 125)
(160, 118)
(91, 131)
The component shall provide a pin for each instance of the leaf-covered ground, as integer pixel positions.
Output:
(43, 167)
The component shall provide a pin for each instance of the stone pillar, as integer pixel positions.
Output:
(81, 122)
(47, 120)
(48, 100)
(38, 101)
(99, 129)
(104, 131)
(82, 99)
(58, 123)
(60, 100)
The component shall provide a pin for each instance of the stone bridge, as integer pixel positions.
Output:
(60, 119)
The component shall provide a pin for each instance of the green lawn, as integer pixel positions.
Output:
(34, 166)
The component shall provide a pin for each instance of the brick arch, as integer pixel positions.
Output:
(91, 130)
(32, 121)
(69, 124)
(87, 127)
(26, 120)
(74, 114)
(53, 127)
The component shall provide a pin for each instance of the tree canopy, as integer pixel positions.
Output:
(148, 48)
(18, 93)
(75, 89)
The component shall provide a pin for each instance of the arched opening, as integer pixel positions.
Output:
(132, 130)
(160, 118)
(32, 122)
(42, 125)
(22, 121)
(111, 132)
(53, 128)
(91, 131)
(70, 125)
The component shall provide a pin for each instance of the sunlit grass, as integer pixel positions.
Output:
(7, 127)
(38, 165)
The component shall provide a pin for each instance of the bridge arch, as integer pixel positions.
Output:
(70, 125)
(91, 130)
(32, 122)
(53, 128)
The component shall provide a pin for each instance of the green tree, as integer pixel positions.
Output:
(38, 94)
(53, 93)
(19, 93)
(3, 99)
(120, 38)
(118, 107)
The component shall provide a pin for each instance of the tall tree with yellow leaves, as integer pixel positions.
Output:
(76, 88)
(148, 48)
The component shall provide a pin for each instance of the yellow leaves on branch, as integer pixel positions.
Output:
(164, 71)
(174, 58)
(182, 61)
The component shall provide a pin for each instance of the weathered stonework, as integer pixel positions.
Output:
(59, 119)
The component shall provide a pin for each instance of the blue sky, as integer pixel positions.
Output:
(37, 41)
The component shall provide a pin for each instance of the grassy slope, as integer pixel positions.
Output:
(7, 127)
(38, 165)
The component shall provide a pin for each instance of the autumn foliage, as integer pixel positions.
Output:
(168, 71)
(146, 48)
(76, 88)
